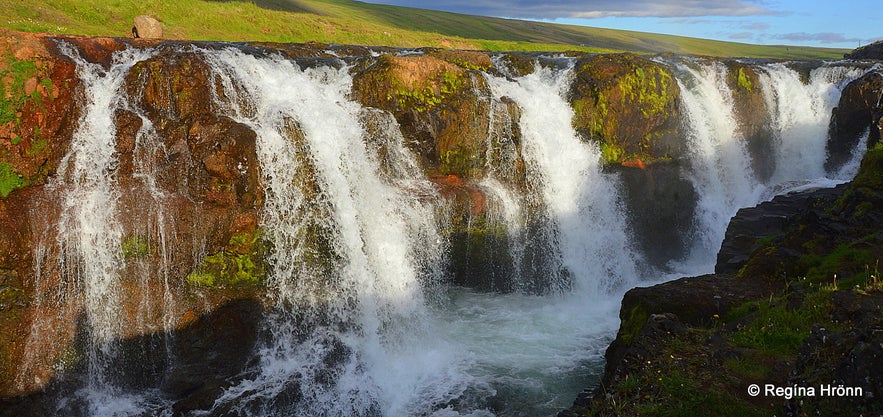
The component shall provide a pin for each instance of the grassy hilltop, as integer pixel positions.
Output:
(353, 22)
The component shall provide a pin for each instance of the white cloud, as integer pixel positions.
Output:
(556, 9)
(820, 37)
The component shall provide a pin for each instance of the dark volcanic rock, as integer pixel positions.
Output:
(859, 110)
(870, 51)
(753, 227)
(661, 204)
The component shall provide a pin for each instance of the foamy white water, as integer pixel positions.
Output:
(801, 114)
(363, 323)
(581, 201)
(720, 166)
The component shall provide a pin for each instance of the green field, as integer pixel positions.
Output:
(352, 22)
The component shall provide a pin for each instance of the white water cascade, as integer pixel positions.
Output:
(361, 322)
(800, 117)
(581, 201)
(721, 167)
(352, 338)
(83, 250)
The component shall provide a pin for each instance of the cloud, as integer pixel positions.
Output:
(741, 35)
(820, 37)
(755, 26)
(555, 9)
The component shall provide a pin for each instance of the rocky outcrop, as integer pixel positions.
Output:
(191, 366)
(661, 205)
(859, 111)
(869, 51)
(629, 105)
(753, 227)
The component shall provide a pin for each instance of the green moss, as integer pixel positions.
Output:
(228, 270)
(776, 329)
(10, 180)
(12, 95)
(458, 161)
(239, 265)
(870, 173)
(845, 264)
(611, 153)
(429, 94)
(135, 247)
(630, 327)
(38, 145)
(625, 102)
(743, 80)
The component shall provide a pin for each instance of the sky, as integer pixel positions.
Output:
(822, 23)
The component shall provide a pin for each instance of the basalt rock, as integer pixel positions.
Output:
(437, 100)
(870, 51)
(787, 318)
(661, 204)
(753, 117)
(753, 227)
(860, 110)
(629, 105)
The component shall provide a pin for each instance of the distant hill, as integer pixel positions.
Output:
(353, 22)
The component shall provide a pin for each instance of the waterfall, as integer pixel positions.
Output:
(362, 320)
(581, 201)
(800, 114)
(349, 332)
(720, 165)
(79, 262)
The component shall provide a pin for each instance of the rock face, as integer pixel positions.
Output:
(629, 105)
(859, 111)
(870, 51)
(752, 227)
(147, 27)
(661, 209)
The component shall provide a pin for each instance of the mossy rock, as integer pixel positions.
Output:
(629, 105)
(240, 264)
(29, 117)
(433, 97)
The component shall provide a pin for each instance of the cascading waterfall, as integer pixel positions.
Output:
(581, 201)
(361, 322)
(721, 169)
(800, 117)
(349, 339)
(720, 165)
(85, 248)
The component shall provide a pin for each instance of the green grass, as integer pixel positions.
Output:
(351, 22)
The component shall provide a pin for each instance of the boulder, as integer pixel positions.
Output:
(752, 228)
(629, 105)
(147, 27)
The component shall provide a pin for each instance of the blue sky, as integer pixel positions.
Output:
(836, 24)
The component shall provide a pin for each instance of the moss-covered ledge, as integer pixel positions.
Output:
(628, 105)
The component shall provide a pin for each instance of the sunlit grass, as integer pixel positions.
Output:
(350, 22)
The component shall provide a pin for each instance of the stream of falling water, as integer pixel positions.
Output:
(361, 323)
